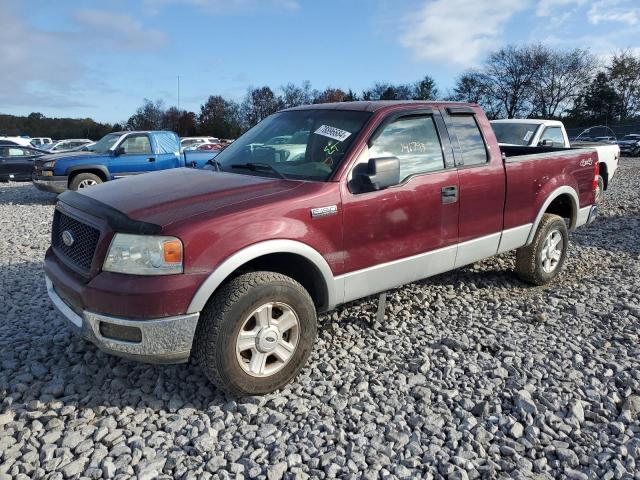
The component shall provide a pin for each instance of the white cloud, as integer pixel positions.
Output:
(36, 65)
(226, 6)
(551, 8)
(622, 11)
(117, 30)
(458, 32)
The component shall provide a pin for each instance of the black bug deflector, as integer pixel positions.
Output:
(117, 220)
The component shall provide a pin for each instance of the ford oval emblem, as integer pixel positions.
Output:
(67, 238)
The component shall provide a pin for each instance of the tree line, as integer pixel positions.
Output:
(37, 125)
(513, 82)
(225, 118)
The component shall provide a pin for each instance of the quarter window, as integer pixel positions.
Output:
(138, 144)
(469, 139)
(414, 140)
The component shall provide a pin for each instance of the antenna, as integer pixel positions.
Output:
(178, 92)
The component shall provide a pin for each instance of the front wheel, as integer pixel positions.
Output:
(256, 333)
(541, 261)
(84, 180)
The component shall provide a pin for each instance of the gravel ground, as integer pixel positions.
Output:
(471, 374)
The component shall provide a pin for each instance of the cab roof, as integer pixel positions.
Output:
(374, 106)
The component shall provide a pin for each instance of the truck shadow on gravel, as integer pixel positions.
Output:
(616, 234)
(43, 360)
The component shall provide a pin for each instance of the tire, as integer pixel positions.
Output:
(232, 311)
(529, 259)
(600, 191)
(84, 180)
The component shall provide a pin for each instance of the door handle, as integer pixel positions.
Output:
(449, 194)
(151, 159)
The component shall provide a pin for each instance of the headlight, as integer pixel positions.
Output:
(144, 255)
(49, 164)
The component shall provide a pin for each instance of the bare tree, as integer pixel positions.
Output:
(147, 117)
(624, 75)
(425, 89)
(508, 75)
(471, 87)
(293, 95)
(559, 78)
(258, 104)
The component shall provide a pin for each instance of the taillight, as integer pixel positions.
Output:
(596, 172)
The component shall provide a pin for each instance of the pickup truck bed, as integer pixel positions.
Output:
(362, 197)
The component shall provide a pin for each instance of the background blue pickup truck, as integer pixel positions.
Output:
(115, 155)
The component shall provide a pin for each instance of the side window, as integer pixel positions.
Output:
(16, 152)
(555, 135)
(137, 145)
(470, 140)
(414, 140)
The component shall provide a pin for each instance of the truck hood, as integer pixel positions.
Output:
(85, 156)
(167, 196)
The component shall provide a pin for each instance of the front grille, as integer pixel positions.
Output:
(81, 249)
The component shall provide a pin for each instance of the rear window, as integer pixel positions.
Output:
(467, 133)
(514, 133)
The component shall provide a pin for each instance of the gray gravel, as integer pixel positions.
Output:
(471, 374)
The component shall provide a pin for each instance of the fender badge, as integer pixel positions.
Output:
(324, 211)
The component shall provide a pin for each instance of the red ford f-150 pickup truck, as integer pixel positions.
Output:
(231, 264)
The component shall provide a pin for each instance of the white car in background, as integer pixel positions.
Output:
(551, 133)
(22, 141)
(67, 145)
(40, 141)
(192, 142)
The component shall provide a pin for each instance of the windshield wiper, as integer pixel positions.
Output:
(216, 164)
(260, 166)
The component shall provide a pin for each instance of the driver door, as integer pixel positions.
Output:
(136, 156)
(408, 231)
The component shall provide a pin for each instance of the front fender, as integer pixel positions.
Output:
(334, 287)
(89, 166)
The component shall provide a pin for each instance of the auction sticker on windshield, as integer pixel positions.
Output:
(333, 132)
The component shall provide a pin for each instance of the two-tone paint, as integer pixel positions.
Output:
(360, 244)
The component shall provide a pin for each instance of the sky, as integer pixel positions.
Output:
(100, 59)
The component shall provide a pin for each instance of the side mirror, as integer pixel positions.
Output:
(545, 143)
(381, 173)
(119, 151)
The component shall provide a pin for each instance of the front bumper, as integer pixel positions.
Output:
(57, 184)
(162, 340)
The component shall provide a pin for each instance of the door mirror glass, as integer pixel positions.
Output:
(119, 151)
(380, 173)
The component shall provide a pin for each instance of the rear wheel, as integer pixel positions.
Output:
(541, 261)
(84, 180)
(256, 333)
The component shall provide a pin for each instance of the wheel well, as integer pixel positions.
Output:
(604, 173)
(97, 172)
(292, 265)
(562, 205)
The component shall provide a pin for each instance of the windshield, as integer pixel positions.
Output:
(631, 137)
(514, 133)
(105, 143)
(299, 144)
